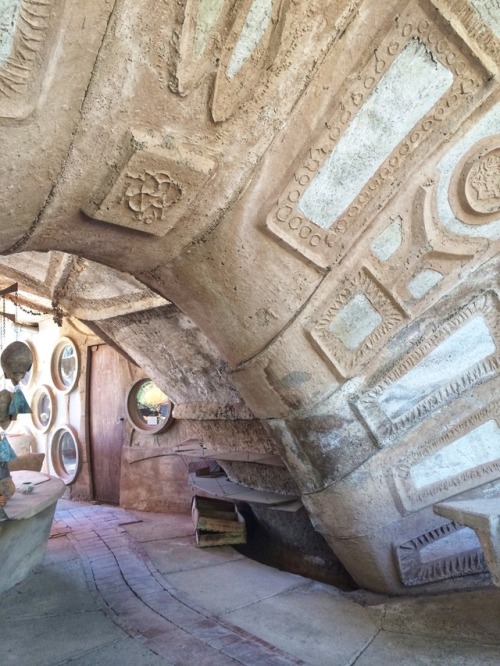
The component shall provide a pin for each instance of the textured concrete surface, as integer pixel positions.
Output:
(101, 598)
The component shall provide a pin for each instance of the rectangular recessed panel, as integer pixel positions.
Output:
(9, 10)
(256, 25)
(389, 241)
(469, 345)
(355, 322)
(477, 447)
(406, 93)
(423, 282)
(457, 542)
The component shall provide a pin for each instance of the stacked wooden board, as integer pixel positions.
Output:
(217, 523)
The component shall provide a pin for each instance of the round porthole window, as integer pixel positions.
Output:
(65, 365)
(64, 454)
(43, 408)
(148, 408)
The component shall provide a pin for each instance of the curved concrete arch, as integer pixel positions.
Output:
(295, 219)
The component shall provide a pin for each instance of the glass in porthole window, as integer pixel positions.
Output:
(67, 365)
(26, 380)
(64, 454)
(153, 405)
(68, 454)
(44, 409)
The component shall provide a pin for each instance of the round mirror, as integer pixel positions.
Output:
(64, 454)
(149, 409)
(43, 408)
(65, 365)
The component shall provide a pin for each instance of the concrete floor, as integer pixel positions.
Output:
(124, 587)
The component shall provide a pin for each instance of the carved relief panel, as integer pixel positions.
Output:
(356, 320)
(438, 467)
(154, 188)
(445, 552)
(25, 30)
(422, 78)
(460, 353)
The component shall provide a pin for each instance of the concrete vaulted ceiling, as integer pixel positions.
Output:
(312, 190)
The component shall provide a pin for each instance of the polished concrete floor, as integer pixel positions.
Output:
(124, 587)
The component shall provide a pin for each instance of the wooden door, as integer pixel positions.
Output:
(108, 383)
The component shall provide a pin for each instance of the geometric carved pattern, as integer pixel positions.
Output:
(414, 498)
(386, 428)
(325, 246)
(155, 187)
(348, 361)
(414, 570)
(429, 254)
(20, 68)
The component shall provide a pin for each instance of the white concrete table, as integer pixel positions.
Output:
(483, 516)
(25, 530)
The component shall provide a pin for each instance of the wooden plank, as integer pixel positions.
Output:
(216, 516)
(210, 504)
(204, 539)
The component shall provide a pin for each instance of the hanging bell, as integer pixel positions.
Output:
(5, 400)
(7, 453)
(18, 404)
(16, 360)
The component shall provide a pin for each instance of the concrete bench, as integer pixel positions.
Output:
(483, 516)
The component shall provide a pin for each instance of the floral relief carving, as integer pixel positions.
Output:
(150, 195)
(475, 185)
(483, 184)
(159, 179)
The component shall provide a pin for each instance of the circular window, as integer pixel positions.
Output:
(43, 408)
(29, 377)
(64, 454)
(65, 365)
(148, 408)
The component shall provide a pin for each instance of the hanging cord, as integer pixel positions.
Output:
(16, 318)
(2, 336)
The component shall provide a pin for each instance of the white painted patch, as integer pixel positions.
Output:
(469, 345)
(9, 10)
(489, 124)
(406, 93)
(477, 447)
(489, 11)
(386, 243)
(256, 25)
(457, 542)
(423, 282)
(355, 322)
(208, 13)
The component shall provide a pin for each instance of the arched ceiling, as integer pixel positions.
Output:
(315, 186)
